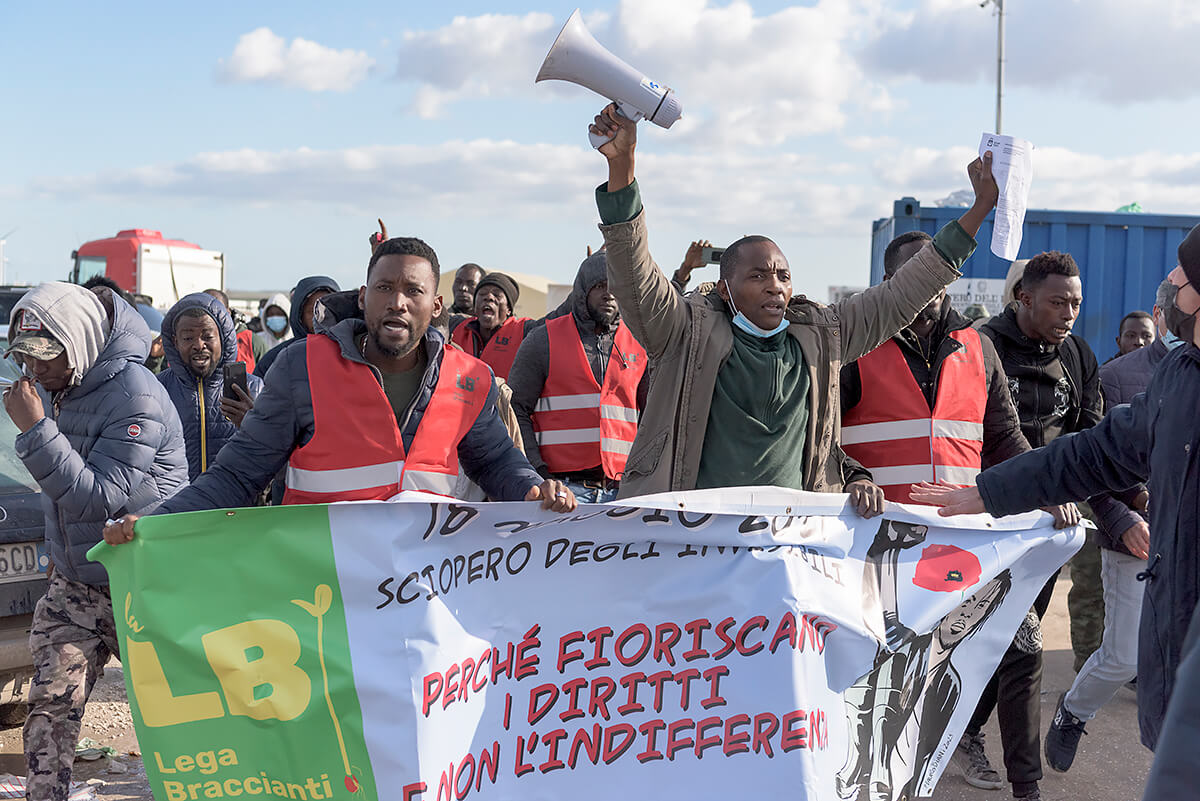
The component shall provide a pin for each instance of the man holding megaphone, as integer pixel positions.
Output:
(746, 388)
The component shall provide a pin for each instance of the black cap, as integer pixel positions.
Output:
(505, 284)
(1189, 256)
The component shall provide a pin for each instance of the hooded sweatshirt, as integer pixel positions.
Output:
(76, 318)
(300, 295)
(266, 337)
(1056, 389)
(532, 365)
(198, 401)
(111, 443)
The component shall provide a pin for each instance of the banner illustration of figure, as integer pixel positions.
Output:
(897, 713)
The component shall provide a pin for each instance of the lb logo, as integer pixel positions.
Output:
(502, 341)
(134, 431)
(465, 382)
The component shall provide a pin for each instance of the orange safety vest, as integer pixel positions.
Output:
(580, 423)
(245, 349)
(356, 452)
(892, 432)
(500, 350)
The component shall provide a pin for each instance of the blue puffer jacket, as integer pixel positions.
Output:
(110, 446)
(1155, 440)
(184, 387)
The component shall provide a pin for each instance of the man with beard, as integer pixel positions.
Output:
(939, 388)
(199, 339)
(495, 333)
(370, 406)
(578, 388)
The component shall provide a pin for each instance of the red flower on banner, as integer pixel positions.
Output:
(945, 568)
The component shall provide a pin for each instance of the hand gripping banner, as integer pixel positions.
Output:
(695, 645)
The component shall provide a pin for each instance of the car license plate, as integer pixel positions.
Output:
(21, 560)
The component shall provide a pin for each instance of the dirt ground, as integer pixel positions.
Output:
(1111, 766)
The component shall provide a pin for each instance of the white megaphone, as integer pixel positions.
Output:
(577, 57)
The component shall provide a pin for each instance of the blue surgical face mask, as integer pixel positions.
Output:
(1171, 341)
(743, 322)
(276, 324)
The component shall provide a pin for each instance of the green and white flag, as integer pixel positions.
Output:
(694, 645)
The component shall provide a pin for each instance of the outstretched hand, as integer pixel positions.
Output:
(1065, 515)
(953, 500)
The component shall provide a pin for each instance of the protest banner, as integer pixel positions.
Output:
(691, 645)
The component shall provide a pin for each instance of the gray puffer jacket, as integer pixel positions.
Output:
(111, 445)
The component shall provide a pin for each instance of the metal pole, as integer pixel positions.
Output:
(2, 241)
(999, 63)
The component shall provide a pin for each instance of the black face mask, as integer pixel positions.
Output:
(1180, 324)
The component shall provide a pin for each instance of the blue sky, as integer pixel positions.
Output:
(277, 133)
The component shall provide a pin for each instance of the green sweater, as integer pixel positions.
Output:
(758, 422)
(759, 416)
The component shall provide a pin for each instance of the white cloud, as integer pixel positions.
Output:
(1109, 50)
(533, 183)
(485, 56)
(748, 78)
(261, 56)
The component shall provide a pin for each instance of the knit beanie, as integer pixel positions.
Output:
(505, 284)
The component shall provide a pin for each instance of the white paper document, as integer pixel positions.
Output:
(1012, 167)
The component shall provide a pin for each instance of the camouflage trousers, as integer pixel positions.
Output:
(72, 638)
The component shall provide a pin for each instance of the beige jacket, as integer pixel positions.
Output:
(688, 339)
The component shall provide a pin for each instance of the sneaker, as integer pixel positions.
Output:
(973, 761)
(1062, 741)
(1036, 795)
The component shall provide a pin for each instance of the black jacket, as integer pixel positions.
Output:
(1056, 389)
(1002, 438)
(1123, 379)
(1155, 439)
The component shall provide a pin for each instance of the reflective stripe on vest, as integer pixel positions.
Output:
(892, 431)
(500, 350)
(581, 425)
(356, 451)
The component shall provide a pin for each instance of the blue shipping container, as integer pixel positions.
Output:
(1122, 257)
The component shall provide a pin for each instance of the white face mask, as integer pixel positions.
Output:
(743, 322)
(1171, 341)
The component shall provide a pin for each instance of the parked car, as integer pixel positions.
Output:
(9, 295)
(23, 563)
